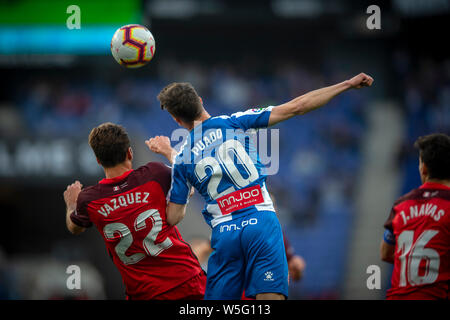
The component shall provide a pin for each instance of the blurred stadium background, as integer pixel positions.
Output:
(341, 167)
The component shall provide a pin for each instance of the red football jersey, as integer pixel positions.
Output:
(130, 213)
(420, 222)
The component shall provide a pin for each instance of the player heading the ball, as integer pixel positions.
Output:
(249, 253)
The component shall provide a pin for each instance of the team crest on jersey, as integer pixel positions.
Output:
(430, 194)
(269, 276)
(257, 109)
(117, 188)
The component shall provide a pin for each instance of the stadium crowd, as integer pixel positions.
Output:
(425, 88)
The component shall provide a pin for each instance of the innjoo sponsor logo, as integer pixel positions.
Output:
(240, 199)
(234, 226)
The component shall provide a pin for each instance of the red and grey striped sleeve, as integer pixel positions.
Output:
(80, 216)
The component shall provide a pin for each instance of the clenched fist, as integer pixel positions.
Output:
(361, 80)
(71, 195)
(161, 145)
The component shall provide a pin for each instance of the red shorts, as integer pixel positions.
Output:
(193, 289)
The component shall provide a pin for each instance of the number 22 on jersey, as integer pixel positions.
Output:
(113, 231)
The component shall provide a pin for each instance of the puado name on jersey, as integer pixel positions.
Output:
(208, 138)
(123, 201)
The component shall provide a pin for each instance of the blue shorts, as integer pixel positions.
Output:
(248, 255)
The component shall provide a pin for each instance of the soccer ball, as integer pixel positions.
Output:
(133, 46)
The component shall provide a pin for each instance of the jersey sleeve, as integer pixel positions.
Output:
(253, 118)
(388, 235)
(80, 215)
(180, 187)
(388, 222)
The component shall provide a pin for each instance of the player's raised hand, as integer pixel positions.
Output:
(71, 195)
(161, 145)
(361, 80)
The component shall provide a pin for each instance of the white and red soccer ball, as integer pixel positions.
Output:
(133, 46)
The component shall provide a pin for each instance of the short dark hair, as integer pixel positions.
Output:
(435, 154)
(110, 144)
(181, 100)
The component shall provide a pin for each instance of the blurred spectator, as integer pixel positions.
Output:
(426, 105)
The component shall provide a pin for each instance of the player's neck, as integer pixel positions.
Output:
(118, 170)
(443, 182)
(203, 117)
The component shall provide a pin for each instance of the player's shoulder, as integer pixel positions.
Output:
(423, 193)
(251, 111)
(231, 121)
(414, 194)
(221, 118)
(154, 165)
(89, 194)
(152, 170)
(436, 191)
(217, 122)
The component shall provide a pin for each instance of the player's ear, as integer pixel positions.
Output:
(423, 170)
(130, 154)
(201, 100)
(98, 161)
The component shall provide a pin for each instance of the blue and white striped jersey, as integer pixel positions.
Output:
(220, 159)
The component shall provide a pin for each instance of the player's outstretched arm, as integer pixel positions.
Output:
(70, 197)
(317, 98)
